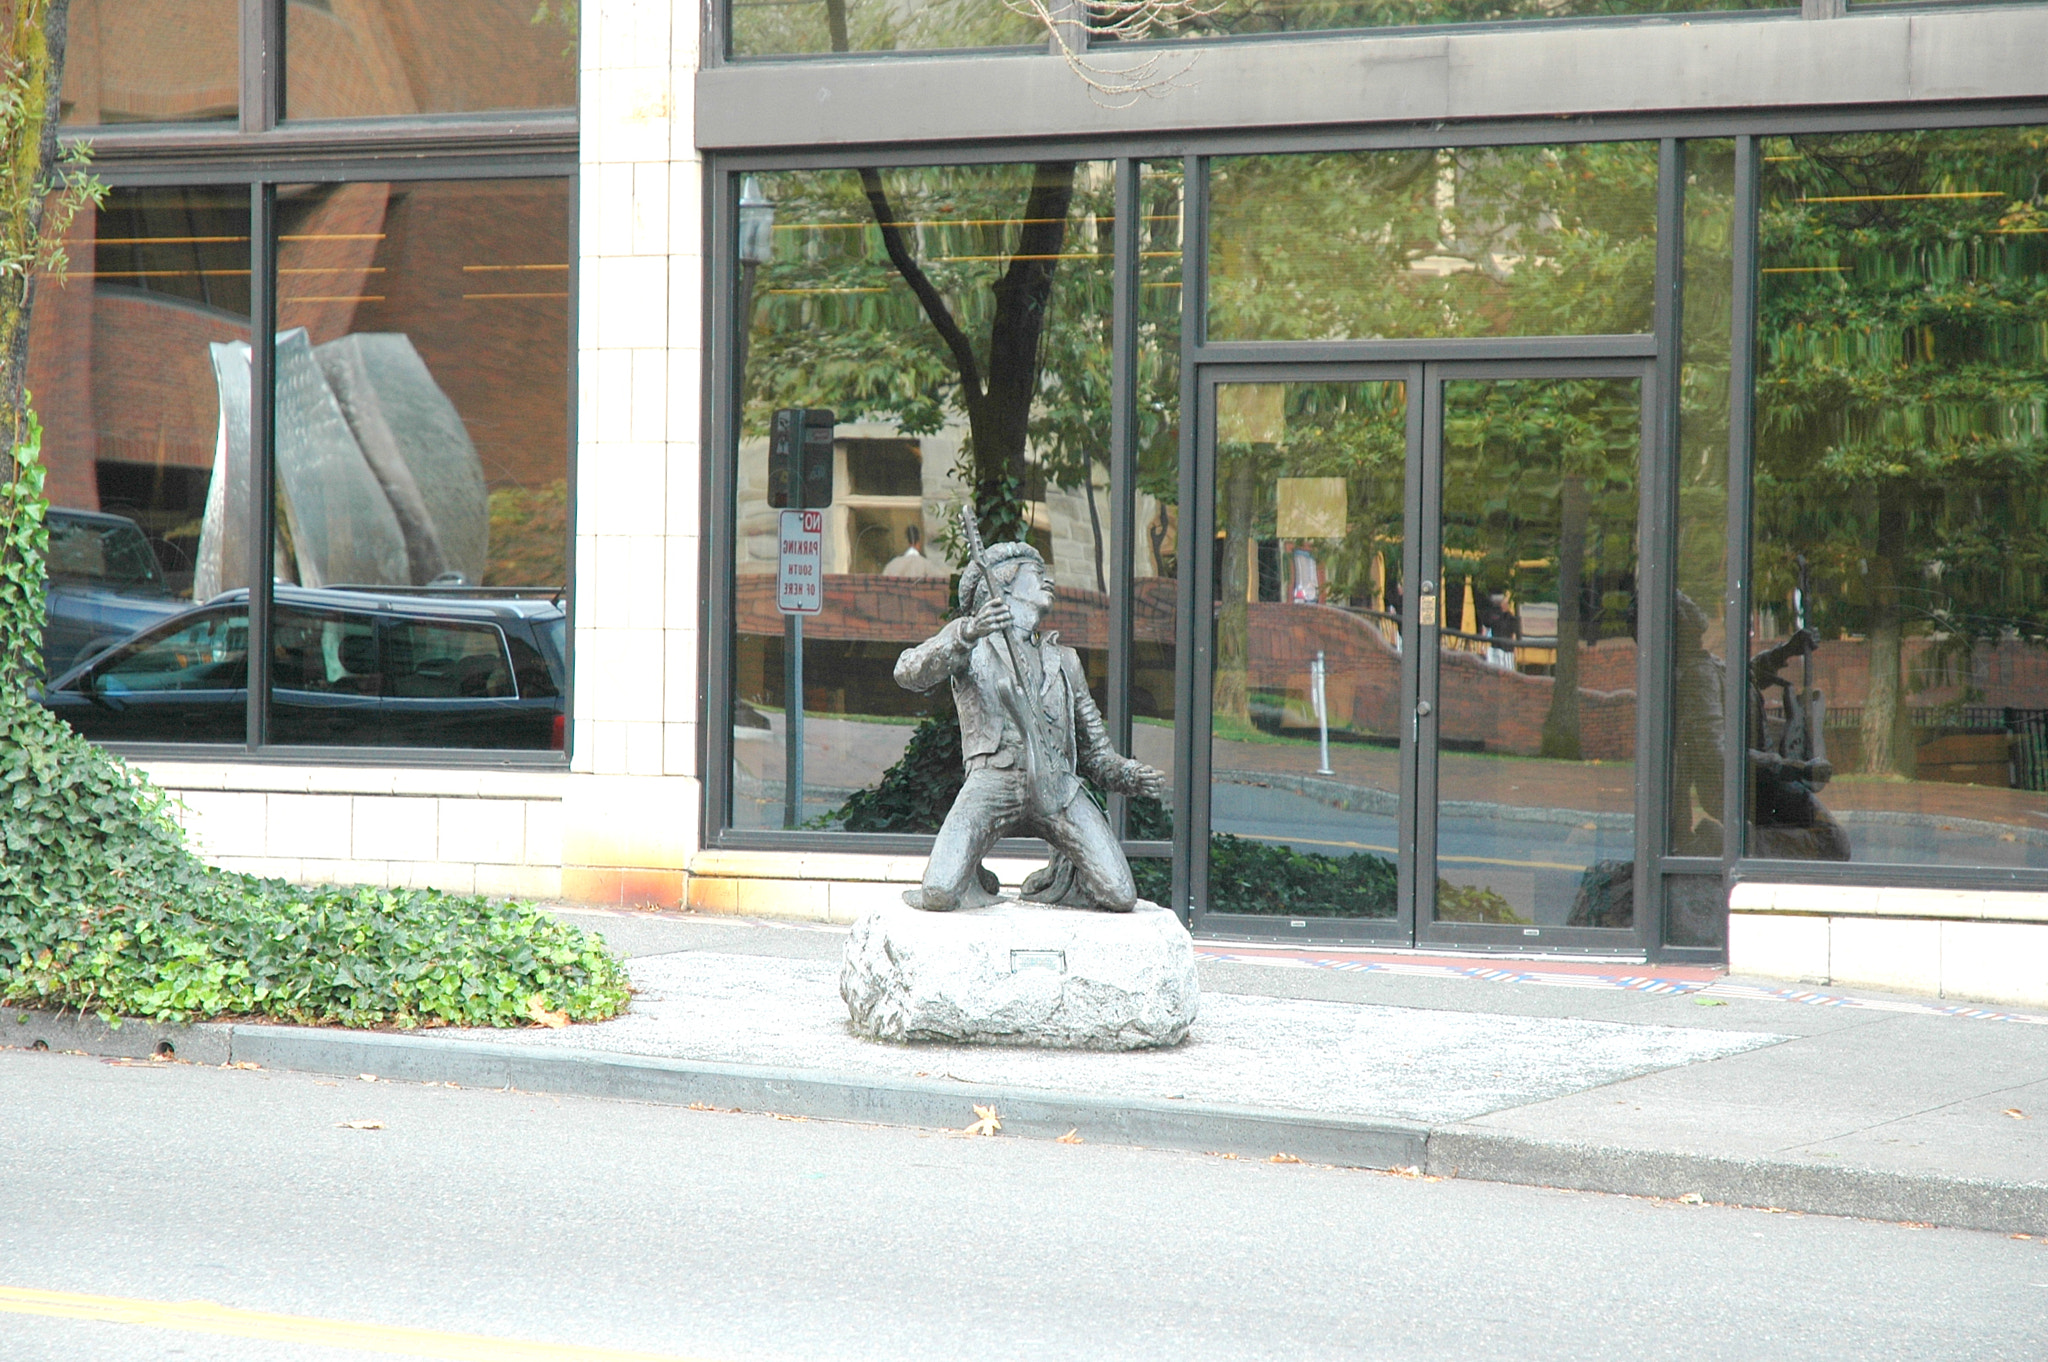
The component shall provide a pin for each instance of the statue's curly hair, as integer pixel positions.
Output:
(1004, 562)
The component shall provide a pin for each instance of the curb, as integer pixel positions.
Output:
(1451, 1150)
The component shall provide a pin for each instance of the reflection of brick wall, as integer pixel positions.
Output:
(151, 59)
(1504, 709)
(503, 361)
(60, 380)
(154, 395)
(167, 59)
(862, 608)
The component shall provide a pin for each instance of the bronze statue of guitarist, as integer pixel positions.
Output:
(1029, 732)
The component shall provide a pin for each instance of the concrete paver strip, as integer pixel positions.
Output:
(1341, 1059)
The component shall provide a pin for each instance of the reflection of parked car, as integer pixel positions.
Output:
(347, 668)
(105, 584)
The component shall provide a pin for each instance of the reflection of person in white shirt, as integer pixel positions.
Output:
(912, 562)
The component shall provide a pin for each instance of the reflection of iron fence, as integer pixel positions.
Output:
(2029, 728)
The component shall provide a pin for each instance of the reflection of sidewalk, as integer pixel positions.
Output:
(1667, 1082)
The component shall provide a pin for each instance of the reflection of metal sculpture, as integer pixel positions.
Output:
(1028, 732)
(378, 482)
(1788, 821)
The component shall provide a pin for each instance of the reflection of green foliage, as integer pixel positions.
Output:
(1904, 349)
(772, 27)
(769, 27)
(1258, 877)
(1472, 903)
(1018, 261)
(914, 794)
(1306, 16)
(1501, 241)
(529, 536)
(1902, 396)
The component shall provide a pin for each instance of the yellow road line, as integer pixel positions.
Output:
(207, 1318)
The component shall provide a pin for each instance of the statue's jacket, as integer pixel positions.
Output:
(1072, 739)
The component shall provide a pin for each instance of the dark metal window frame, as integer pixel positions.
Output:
(263, 151)
(1660, 347)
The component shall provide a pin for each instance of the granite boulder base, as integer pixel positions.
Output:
(1022, 974)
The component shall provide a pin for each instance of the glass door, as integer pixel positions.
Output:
(1307, 779)
(1526, 712)
(1420, 671)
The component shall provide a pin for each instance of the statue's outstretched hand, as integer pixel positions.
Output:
(992, 618)
(1147, 781)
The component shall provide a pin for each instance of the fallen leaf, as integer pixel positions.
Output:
(1283, 1158)
(366, 1078)
(986, 1122)
(2016, 1114)
(1710, 1002)
(240, 1064)
(1692, 1199)
(360, 1125)
(702, 1106)
(1219, 1154)
(1071, 1137)
(2019, 1236)
(537, 1008)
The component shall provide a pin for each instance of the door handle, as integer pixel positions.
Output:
(1422, 709)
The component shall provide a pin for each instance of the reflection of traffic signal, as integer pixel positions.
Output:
(800, 458)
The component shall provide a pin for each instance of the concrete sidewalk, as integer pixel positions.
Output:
(1633, 1079)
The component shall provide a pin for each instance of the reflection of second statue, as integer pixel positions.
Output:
(1788, 821)
(912, 562)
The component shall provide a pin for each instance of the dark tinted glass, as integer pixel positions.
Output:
(152, 61)
(1899, 674)
(185, 681)
(1492, 241)
(387, 58)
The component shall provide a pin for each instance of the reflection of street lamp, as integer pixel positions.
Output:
(756, 247)
(754, 244)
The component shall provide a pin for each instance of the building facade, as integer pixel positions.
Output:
(1557, 477)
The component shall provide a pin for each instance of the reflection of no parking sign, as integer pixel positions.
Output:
(800, 563)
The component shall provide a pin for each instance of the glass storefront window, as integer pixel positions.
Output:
(121, 366)
(763, 28)
(1155, 548)
(1240, 18)
(388, 58)
(1699, 652)
(1494, 241)
(1898, 696)
(422, 458)
(152, 61)
(961, 352)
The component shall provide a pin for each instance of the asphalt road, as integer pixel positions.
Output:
(720, 1236)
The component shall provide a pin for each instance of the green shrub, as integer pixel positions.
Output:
(104, 908)
(1258, 877)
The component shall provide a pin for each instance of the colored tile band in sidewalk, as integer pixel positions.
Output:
(1670, 979)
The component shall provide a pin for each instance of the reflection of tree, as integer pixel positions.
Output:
(1540, 487)
(1902, 434)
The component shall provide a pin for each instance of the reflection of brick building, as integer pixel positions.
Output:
(132, 61)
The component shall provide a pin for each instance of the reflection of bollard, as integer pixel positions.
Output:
(1321, 702)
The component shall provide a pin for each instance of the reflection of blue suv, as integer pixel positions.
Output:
(104, 585)
(347, 668)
